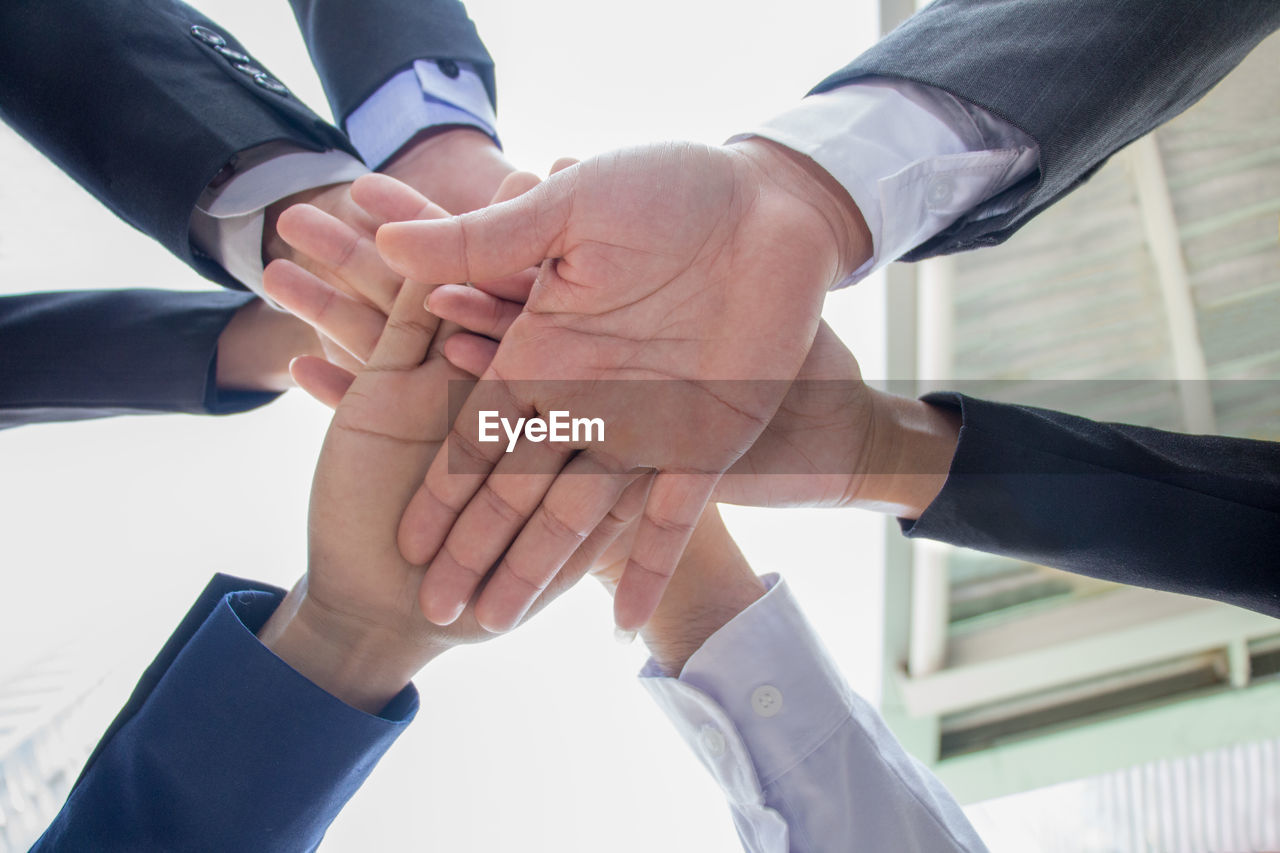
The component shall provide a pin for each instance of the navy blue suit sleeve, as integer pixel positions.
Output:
(127, 98)
(88, 354)
(356, 47)
(1193, 514)
(223, 746)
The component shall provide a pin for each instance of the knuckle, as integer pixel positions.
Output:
(532, 581)
(407, 325)
(327, 303)
(459, 565)
(496, 313)
(451, 507)
(500, 506)
(460, 443)
(612, 521)
(560, 529)
(636, 565)
(670, 526)
(346, 250)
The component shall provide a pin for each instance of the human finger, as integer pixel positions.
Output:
(349, 323)
(346, 255)
(470, 353)
(322, 379)
(578, 500)
(671, 513)
(473, 310)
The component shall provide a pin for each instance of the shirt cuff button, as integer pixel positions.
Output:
(766, 700)
(940, 191)
(712, 740)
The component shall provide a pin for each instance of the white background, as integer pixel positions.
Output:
(537, 741)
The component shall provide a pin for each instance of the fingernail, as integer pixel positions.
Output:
(494, 627)
(624, 637)
(448, 617)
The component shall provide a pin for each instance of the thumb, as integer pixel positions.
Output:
(486, 244)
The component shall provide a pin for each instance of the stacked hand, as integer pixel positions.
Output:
(830, 441)
(815, 451)
(675, 263)
(353, 625)
(327, 232)
(330, 234)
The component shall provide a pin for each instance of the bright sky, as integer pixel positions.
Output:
(537, 741)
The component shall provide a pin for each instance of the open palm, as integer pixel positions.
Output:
(697, 269)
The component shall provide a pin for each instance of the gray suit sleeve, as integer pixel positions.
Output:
(1083, 78)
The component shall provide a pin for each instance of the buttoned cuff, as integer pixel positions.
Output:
(770, 676)
(755, 700)
(805, 762)
(913, 158)
(228, 221)
(711, 734)
(430, 94)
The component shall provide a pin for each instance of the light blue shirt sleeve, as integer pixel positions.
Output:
(807, 765)
(227, 224)
(415, 99)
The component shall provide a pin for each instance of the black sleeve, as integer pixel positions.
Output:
(1194, 514)
(1083, 78)
(91, 354)
(140, 104)
(356, 47)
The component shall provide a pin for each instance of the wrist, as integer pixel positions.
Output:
(803, 178)
(256, 346)
(364, 665)
(711, 586)
(459, 167)
(908, 455)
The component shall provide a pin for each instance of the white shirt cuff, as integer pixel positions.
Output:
(769, 673)
(228, 226)
(798, 754)
(414, 99)
(913, 158)
(710, 726)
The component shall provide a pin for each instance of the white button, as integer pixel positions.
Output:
(713, 742)
(940, 191)
(766, 700)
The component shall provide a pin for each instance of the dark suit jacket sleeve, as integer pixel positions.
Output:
(1083, 78)
(123, 98)
(1193, 514)
(89, 354)
(356, 47)
(223, 746)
